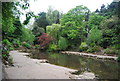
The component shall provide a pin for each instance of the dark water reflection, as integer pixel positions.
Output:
(104, 69)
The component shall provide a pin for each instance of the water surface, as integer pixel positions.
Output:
(103, 69)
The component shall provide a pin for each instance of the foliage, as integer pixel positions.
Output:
(27, 36)
(41, 21)
(76, 15)
(111, 51)
(16, 43)
(53, 16)
(62, 43)
(94, 36)
(26, 45)
(12, 27)
(37, 46)
(11, 48)
(11, 12)
(7, 17)
(94, 49)
(6, 42)
(45, 40)
(83, 46)
(5, 54)
(54, 32)
(110, 29)
(18, 29)
(52, 47)
(70, 30)
(72, 25)
(109, 10)
(94, 21)
(37, 31)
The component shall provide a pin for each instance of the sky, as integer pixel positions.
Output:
(65, 5)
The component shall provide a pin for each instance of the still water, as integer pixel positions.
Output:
(103, 69)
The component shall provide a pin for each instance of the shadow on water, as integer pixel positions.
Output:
(103, 69)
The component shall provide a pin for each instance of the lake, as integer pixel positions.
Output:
(102, 69)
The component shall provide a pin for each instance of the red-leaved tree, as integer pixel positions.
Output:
(44, 40)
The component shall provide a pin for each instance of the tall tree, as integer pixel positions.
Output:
(42, 21)
(72, 23)
(53, 16)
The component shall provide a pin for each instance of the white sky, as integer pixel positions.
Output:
(65, 5)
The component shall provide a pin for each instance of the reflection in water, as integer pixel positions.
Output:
(104, 69)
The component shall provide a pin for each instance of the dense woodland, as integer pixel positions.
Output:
(77, 30)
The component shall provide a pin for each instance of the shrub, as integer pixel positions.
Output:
(62, 43)
(52, 47)
(16, 43)
(5, 54)
(11, 48)
(44, 40)
(116, 46)
(83, 46)
(111, 51)
(94, 49)
(6, 42)
(37, 46)
(26, 45)
(94, 36)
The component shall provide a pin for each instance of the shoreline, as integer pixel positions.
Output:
(102, 57)
(28, 68)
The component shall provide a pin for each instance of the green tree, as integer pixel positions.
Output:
(110, 28)
(27, 36)
(53, 16)
(62, 43)
(54, 32)
(94, 37)
(7, 19)
(95, 20)
(42, 21)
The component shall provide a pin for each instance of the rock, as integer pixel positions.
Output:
(44, 61)
(87, 75)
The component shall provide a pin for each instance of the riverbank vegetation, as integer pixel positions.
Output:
(77, 30)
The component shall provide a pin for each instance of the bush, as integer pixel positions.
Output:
(11, 48)
(94, 49)
(16, 43)
(118, 59)
(62, 43)
(52, 47)
(111, 51)
(83, 46)
(94, 36)
(6, 42)
(5, 54)
(26, 45)
(37, 46)
(116, 46)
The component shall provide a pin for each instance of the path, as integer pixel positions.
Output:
(104, 57)
(27, 68)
